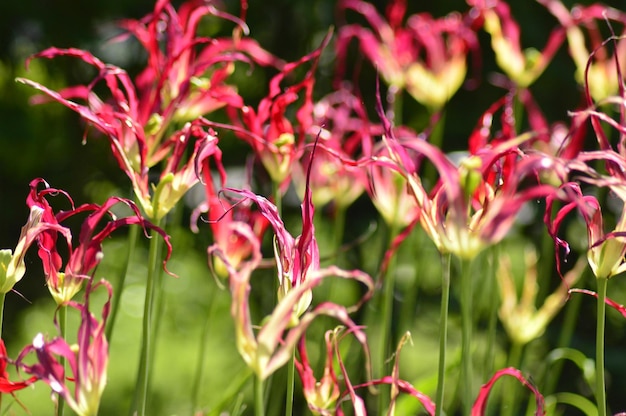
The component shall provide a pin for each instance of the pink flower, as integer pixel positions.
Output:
(343, 133)
(182, 81)
(522, 66)
(470, 208)
(297, 261)
(270, 346)
(225, 219)
(6, 385)
(186, 74)
(427, 56)
(88, 362)
(274, 138)
(82, 258)
(480, 405)
(595, 68)
(320, 395)
(12, 266)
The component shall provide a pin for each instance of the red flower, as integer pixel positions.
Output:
(86, 255)
(271, 134)
(427, 57)
(88, 364)
(297, 260)
(470, 208)
(595, 68)
(480, 405)
(343, 132)
(179, 83)
(522, 66)
(6, 385)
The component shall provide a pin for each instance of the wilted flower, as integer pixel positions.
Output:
(297, 259)
(320, 395)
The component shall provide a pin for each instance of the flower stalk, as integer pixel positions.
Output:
(443, 332)
(145, 357)
(600, 329)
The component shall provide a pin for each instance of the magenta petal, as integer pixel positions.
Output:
(480, 404)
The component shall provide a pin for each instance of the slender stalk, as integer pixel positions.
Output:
(436, 139)
(386, 335)
(278, 197)
(466, 337)
(291, 379)
(63, 328)
(492, 324)
(339, 228)
(2, 297)
(204, 340)
(510, 397)
(259, 404)
(291, 375)
(133, 234)
(572, 316)
(233, 389)
(143, 373)
(600, 385)
(394, 100)
(443, 331)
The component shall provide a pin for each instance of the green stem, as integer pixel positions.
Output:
(466, 336)
(572, 316)
(145, 364)
(443, 331)
(509, 397)
(204, 340)
(436, 139)
(394, 99)
(2, 297)
(339, 228)
(63, 328)
(259, 404)
(233, 389)
(278, 197)
(600, 386)
(492, 324)
(386, 335)
(133, 234)
(291, 377)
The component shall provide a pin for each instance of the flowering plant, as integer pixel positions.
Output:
(292, 202)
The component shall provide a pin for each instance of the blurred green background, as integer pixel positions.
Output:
(45, 141)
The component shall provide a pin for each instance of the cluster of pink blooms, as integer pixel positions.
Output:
(161, 132)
